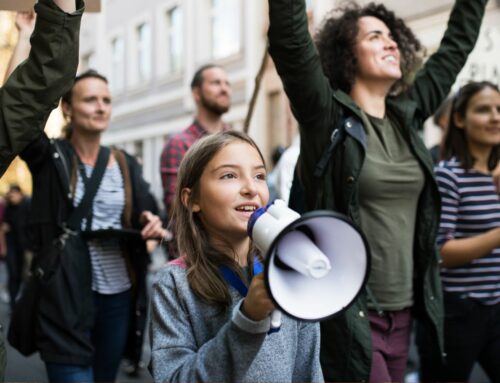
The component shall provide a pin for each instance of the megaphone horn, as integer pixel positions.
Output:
(315, 264)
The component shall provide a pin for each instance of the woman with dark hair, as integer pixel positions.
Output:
(84, 340)
(469, 238)
(360, 103)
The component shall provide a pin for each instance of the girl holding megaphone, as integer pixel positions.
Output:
(211, 312)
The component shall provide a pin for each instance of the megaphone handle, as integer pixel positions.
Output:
(276, 319)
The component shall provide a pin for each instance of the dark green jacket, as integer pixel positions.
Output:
(346, 341)
(35, 87)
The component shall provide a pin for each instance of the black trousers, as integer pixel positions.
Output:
(471, 334)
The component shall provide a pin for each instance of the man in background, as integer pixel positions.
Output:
(211, 92)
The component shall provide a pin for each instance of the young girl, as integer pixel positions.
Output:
(203, 328)
(469, 238)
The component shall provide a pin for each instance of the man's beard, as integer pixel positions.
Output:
(214, 106)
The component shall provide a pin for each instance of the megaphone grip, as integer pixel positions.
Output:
(275, 319)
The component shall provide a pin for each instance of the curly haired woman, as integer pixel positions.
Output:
(360, 103)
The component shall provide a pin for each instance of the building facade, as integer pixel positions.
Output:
(150, 49)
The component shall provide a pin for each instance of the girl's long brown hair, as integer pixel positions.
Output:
(203, 260)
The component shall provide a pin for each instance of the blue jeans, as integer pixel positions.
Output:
(108, 337)
(65, 373)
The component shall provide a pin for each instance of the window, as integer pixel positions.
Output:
(225, 27)
(144, 53)
(118, 64)
(174, 39)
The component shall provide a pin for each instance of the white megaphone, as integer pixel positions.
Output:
(315, 264)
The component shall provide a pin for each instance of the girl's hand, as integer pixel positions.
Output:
(152, 226)
(25, 23)
(257, 304)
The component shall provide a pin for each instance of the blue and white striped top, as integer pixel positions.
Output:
(470, 206)
(109, 271)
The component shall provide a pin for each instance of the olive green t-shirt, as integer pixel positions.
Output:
(390, 184)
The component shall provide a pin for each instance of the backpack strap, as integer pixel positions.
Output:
(346, 125)
(91, 186)
(336, 138)
(297, 196)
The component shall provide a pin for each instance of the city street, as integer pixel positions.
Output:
(174, 122)
(32, 369)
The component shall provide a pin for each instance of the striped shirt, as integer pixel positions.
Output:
(470, 206)
(109, 271)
